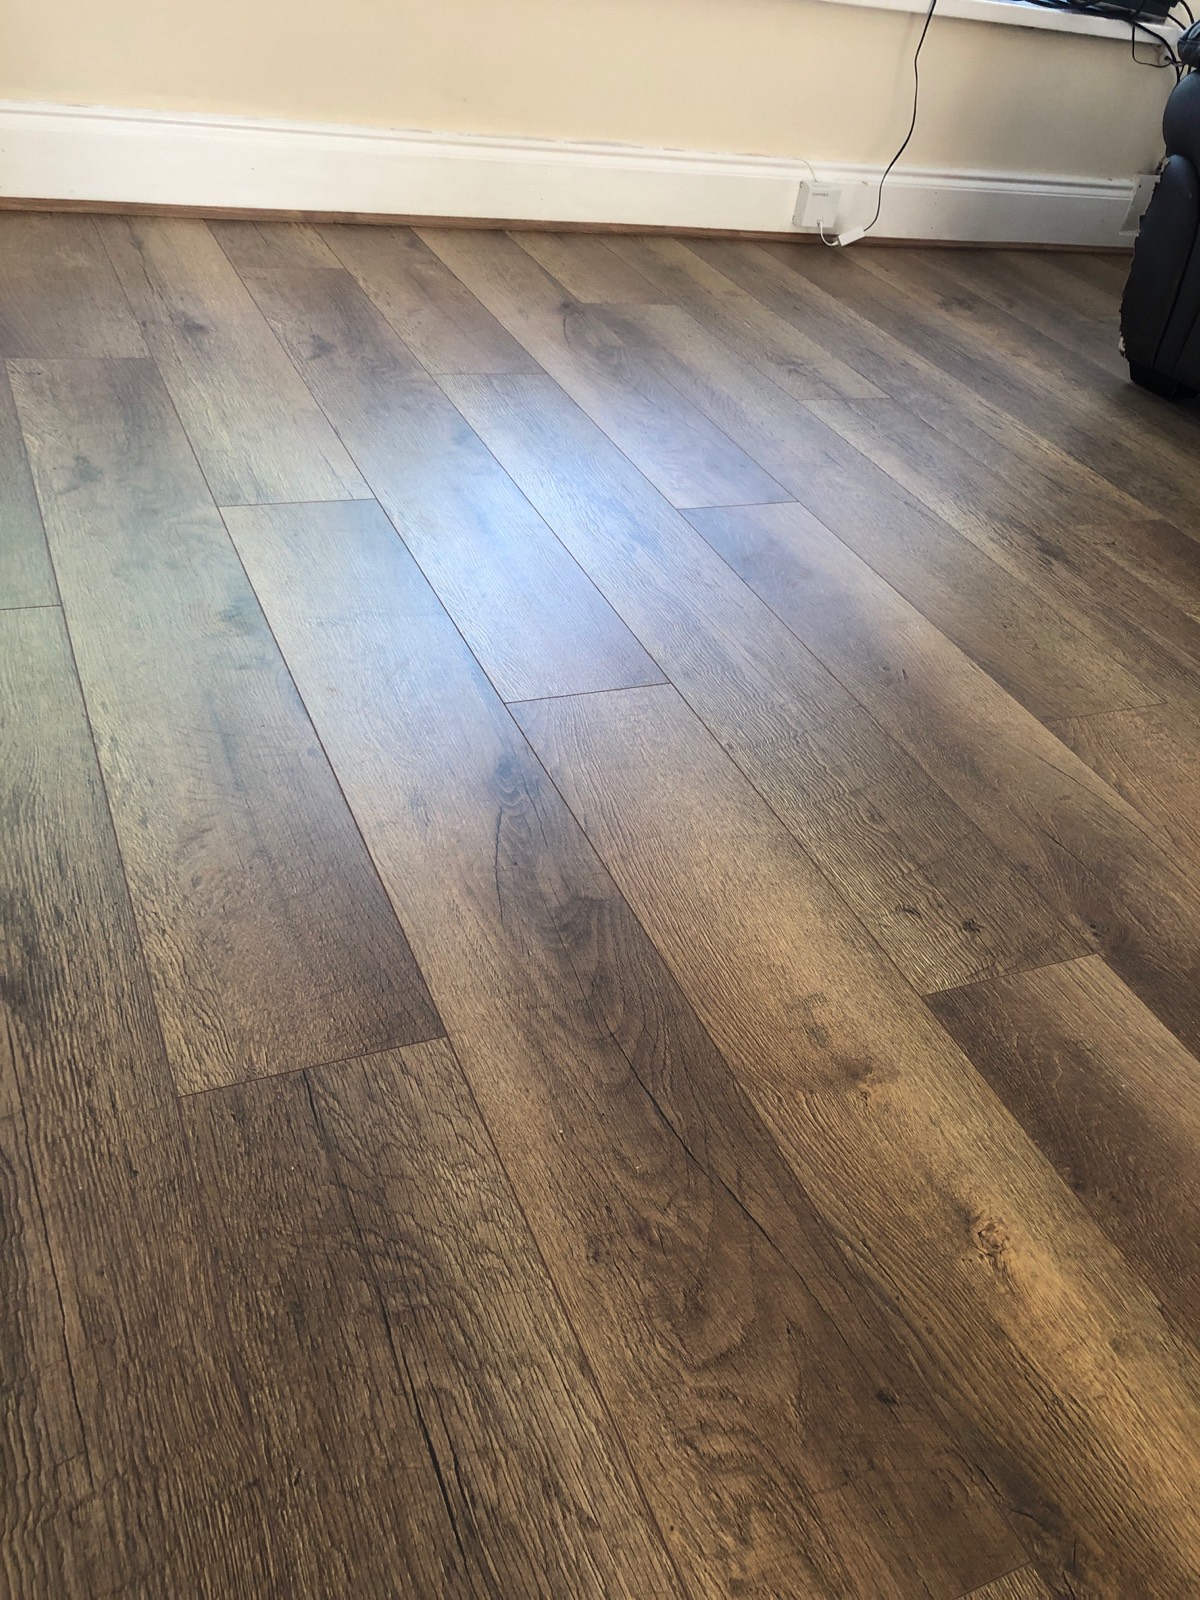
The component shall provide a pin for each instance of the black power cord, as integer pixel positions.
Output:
(913, 123)
(1077, 6)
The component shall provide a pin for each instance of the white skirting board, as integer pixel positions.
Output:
(98, 153)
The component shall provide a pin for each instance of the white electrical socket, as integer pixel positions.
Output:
(817, 206)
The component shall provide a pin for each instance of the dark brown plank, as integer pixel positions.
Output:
(791, 357)
(931, 890)
(1150, 758)
(1038, 293)
(269, 937)
(536, 622)
(1111, 1098)
(831, 305)
(269, 246)
(587, 268)
(726, 1376)
(1049, 1352)
(538, 1481)
(26, 576)
(325, 1391)
(1017, 631)
(1023, 1584)
(1101, 420)
(176, 1506)
(1089, 853)
(1048, 552)
(257, 431)
(679, 450)
(44, 1473)
(58, 295)
(444, 325)
(1156, 552)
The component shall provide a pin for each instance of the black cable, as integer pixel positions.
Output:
(1099, 9)
(1172, 59)
(912, 125)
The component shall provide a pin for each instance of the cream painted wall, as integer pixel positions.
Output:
(773, 77)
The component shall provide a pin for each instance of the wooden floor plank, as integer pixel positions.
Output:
(1111, 1098)
(1156, 552)
(44, 1468)
(1103, 421)
(443, 324)
(724, 1373)
(1033, 291)
(1002, 1282)
(831, 309)
(26, 575)
(932, 891)
(266, 247)
(270, 940)
(256, 429)
(1026, 640)
(58, 294)
(1076, 577)
(1150, 758)
(1023, 1584)
(784, 353)
(175, 1504)
(359, 1492)
(588, 270)
(1088, 852)
(536, 622)
(692, 462)
(538, 1481)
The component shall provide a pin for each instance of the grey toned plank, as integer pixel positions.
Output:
(257, 431)
(692, 462)
(536, 622)
(270, 940)
(931, 889)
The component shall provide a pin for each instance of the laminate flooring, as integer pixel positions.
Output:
(600, 918)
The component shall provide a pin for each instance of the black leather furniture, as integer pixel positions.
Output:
(1160, 312)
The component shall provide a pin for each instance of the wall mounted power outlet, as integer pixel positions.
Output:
(817, 206)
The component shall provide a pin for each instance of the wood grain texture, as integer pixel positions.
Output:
(588, 270)
(929, 887)
(786, 354)
(256, 429)
(43, 1461)
(1049, 301)
(268, 247)
(1087, 851)
(58, 294)
(725, 1374)
(1049, 656)
(26, 575)
(352, 1482)
(1024, 1584)
(1110, 609)
(537, 623)
(270, 939)
(1150, 758)
(1000, 1280)
(536, 1478)
(443, 324)
(1105, 423)
(692, 462)
(173, 1504)
(1112, 1099)
(842, 314)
